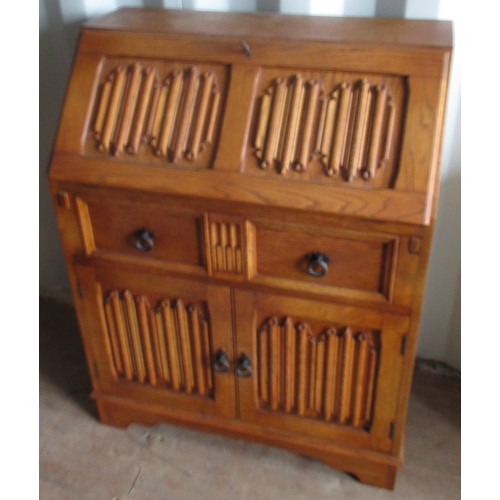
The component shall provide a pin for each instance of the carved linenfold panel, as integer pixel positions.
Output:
(144, 111)
(330, 376)
(230, 246)
(347, 127)
(163, 347)
(280, 137)
(225, 239)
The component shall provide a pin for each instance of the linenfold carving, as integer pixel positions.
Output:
(330, 376)
(350, 129)
(175, 115)
(226, 247)
(164, 347)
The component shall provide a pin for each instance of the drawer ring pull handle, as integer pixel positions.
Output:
(244, 366)
(221, 362)
(144, 239)
(318, 264)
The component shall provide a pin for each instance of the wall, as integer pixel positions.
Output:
(59, 25)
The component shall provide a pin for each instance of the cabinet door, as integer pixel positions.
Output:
(319, 369)
(152, 339)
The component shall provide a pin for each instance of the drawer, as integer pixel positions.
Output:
(337, 262)
(127, 230)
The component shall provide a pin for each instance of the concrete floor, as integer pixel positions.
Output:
(82, 459)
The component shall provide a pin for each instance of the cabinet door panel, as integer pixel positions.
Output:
(320, 369)
(152, 339)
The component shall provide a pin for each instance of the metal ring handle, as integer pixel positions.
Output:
(221, 362)
(318, 264)
(244, 366)
(144, 239)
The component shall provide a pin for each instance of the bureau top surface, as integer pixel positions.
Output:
(345, 30)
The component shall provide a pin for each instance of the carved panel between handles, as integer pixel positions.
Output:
(226, 244)
(230, 247)
(174, 115)
(164, 347)
(330, 376)
(350, 129)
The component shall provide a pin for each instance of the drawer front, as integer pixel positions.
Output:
(356, 263)
(332, 261)
(138, 231)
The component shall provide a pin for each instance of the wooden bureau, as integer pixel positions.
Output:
(246, 204)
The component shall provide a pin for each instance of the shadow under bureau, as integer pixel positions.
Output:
(246, 204)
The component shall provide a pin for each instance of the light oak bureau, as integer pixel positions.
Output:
(246, 204)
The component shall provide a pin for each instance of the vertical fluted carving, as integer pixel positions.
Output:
(158, 116)
(176, 115)
(167, 347)
(274, 363)
(378, 116)
(330, 376)
(163, 363)
(362, 129)
(102, 108)
(170, 334)
(350, 129)
(186, 115)
(307, 131)
(201, 117)
(185, 345)
(155, 96)
(195, 320)
(118, 80)
(331, 379)
(293, 121)
(130, 103)
(359, 116)
(303, 337)
(225, 247)
(113, 337)
(133, 334)
(118, 322)
(145, 338)
(263, 339)
(340, 124)
(275, 123)
(290, 365)
(174, 91)
(139, 119)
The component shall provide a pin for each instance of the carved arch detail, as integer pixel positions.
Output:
(330, 376)
(167, 346)
(175, 116)
(350, 129)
